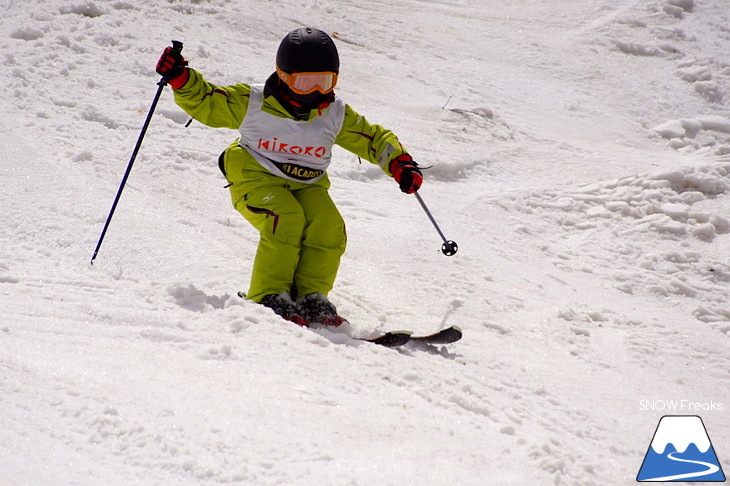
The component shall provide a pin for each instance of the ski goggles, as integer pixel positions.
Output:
(306, 83)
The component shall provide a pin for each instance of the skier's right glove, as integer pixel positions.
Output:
(171, 67)
(406, 173)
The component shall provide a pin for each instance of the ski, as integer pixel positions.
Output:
(391, 339)
(444, 336)
(394, 339)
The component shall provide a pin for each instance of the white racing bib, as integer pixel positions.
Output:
(295, 150)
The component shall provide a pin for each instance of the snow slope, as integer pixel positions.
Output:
(580, 155)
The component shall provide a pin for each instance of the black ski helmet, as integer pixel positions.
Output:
(307, 50)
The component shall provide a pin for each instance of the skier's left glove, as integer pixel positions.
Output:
(172, 68)
(406, 173)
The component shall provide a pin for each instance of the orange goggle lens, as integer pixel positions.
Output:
(305, 83)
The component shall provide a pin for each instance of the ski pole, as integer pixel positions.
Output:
(177, 46)
(449, 247)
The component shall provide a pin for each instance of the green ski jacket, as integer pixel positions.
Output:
(225, 107)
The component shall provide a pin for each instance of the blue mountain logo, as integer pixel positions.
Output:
(681, 451)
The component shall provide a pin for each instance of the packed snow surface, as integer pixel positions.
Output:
(579, 154)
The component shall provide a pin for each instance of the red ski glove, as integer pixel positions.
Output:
(171, 67)
(406, 173)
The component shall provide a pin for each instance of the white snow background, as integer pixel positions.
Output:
(580, 155)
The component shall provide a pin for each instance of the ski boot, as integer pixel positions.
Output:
(315, 308)
(282, 305)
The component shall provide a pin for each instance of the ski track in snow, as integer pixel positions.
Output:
(580, 159)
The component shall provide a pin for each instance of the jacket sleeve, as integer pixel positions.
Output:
(220, 107)
(370, 142)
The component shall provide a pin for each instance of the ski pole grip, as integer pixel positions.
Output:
(177, 46)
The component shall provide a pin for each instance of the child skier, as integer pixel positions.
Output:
(277, 168)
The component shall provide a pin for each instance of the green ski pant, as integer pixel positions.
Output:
(301, 234)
